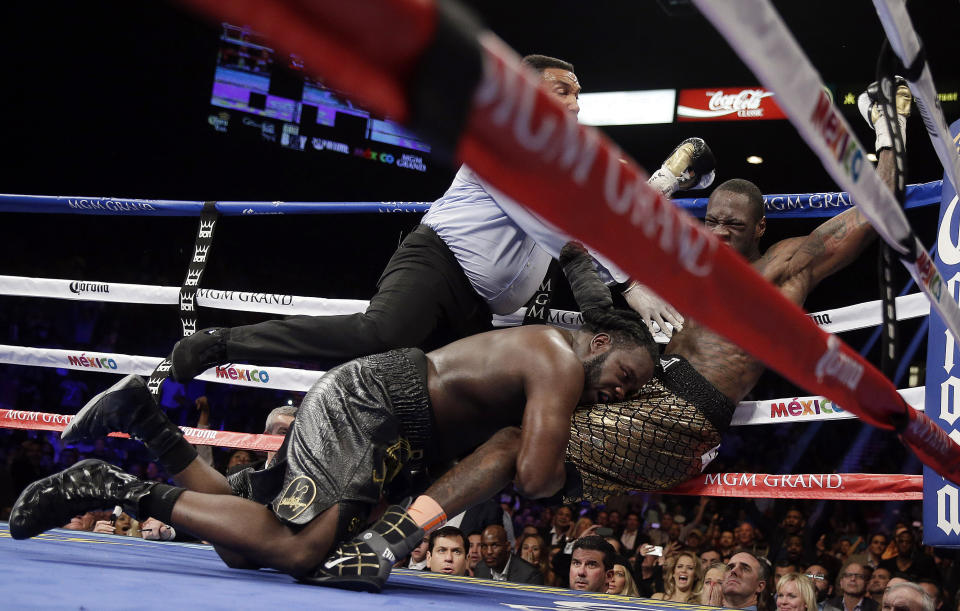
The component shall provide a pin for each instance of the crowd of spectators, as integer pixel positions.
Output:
(703, 561)
(729, 553)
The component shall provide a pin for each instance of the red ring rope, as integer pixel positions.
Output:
(836, 486)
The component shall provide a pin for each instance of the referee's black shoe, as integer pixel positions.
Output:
(196, 353)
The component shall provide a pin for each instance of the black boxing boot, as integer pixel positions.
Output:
(128, 407)
(196, 353)
(88, 485)
(364, 563)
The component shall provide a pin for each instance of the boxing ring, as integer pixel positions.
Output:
(634, 225)
(851, 486)
(105, 571)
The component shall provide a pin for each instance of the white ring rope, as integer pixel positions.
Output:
(252, 376)
(849, 318)
(795, 409)
(90, 290)
(756, 32)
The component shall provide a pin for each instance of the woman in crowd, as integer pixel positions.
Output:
(795, 593)
(533, 549)
(682, 578)
(711, 593)
(527, 531)
(580, 528)
(621, 582)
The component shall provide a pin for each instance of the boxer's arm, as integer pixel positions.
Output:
(841, 239)
(553, 387)
(834, 244)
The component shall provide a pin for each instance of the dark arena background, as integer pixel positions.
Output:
(139, 100)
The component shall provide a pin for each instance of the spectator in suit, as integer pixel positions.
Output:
(745, 585)
(853, 588)
(591, 566)
(631, 530)
(561, 527)
(447, 551)
(499, 564)
(878, 583)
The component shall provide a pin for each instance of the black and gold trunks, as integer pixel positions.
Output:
(357, 428)
(664, 437)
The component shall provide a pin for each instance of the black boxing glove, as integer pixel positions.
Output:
(589, 291)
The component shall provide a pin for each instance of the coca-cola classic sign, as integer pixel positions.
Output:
(727, 104)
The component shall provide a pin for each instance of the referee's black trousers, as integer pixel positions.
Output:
(423, 300)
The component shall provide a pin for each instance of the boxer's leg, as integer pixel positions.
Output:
(243, 528)
(251, 535)
(128, 407)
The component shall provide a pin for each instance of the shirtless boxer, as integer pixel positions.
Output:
(671, 431)
(667, 434)
(359, 426)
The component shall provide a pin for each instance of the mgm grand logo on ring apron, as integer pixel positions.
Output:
(297, 497)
